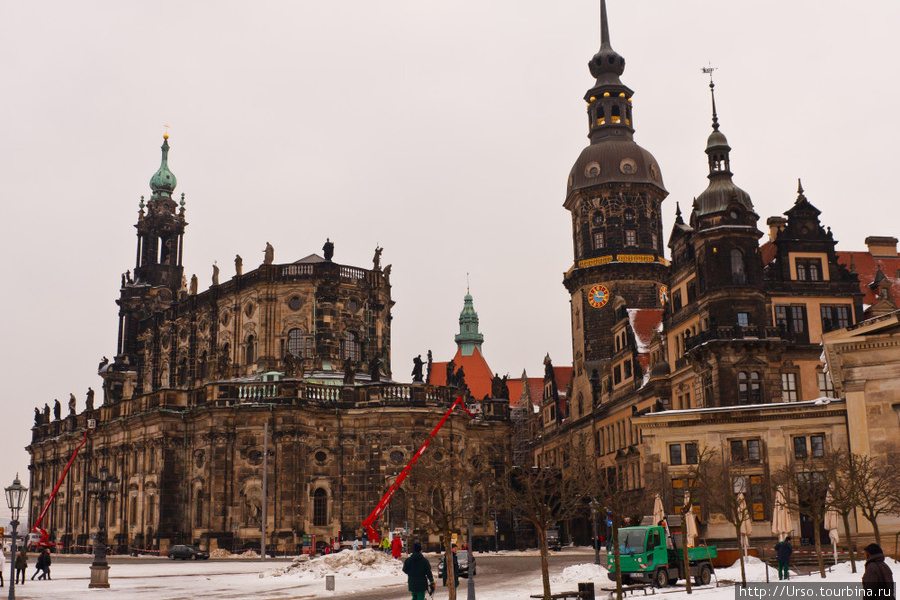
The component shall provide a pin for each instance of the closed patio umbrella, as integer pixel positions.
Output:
(832, 521)
(782, 523)
(659, 513)
(746, 524)
(690, 524)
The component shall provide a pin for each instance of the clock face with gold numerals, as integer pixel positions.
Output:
(598, 296)
(663, 295)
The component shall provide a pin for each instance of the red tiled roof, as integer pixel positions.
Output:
(563, 379)
(768, 251)
(867, 266)
(644, 324)
(478, 373)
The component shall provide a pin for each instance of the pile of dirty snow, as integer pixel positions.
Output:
(220, 553)
(348, 563)
(579, 573)
(249, 554)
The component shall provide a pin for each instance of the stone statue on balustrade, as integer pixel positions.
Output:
(57, 410)
(45, 417)
(268, 254)
(349, 372)
(89, 401)
(37, 417)
(71, 404)
(238, 265)
(418, 363)
(328, 249)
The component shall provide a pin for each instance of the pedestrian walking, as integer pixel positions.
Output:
(365, 538)
(878, 581)
(2, 565)
(355, 544)
(42, 566)
(783, 551)
(396, 546)
(418, 571)
(21, 565)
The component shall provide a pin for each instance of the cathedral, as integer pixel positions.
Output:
(285, 367)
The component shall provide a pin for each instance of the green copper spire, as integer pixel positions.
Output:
(163, 181)
(468, 338)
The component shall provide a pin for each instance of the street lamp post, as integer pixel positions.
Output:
(594, 510)
(15, 500)
(103, 487)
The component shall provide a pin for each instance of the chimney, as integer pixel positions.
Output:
(776, 224)
(882, 247)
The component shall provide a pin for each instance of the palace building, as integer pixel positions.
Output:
(298, 349)
(720, 347)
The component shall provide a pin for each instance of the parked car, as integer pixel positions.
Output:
(462, 557)
(187, 552)
(553, 541)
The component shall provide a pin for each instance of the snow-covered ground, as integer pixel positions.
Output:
(363, 573)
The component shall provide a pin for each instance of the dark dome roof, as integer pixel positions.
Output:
(719, 195)
(660, 369)
(614, 161)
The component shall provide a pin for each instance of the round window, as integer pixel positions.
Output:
(255, 457)
(295, 303)
(321, 456)
(397, 456)
(438, 456)
(592, 170)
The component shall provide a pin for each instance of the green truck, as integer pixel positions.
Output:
(650, 554)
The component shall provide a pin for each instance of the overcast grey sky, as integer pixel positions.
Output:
(443, 131)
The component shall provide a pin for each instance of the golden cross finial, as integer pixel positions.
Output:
(166, 134)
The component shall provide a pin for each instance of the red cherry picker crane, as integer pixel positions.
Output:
(36, 530)
(374, 538)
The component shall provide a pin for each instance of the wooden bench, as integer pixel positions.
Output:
(561, 596)
(632, 588)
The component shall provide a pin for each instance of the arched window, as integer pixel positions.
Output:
(739, 275)
(296, 343)
(320, 508)
(350, 347)
(250, 351)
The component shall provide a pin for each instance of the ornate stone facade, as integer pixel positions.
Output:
(302, 348)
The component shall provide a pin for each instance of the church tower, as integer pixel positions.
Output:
(158, 270)
(614, 193)
(469, 338)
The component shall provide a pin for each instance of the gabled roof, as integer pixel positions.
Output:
(312, 258)
(867, 268)
(478, 373)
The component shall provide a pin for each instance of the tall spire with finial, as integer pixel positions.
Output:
(604, 26)
(163, 181)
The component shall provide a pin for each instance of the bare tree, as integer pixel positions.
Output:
(876, 483)
(541, 496)
(806, 482)
(844, 498)
(439, 503)
(718, 483)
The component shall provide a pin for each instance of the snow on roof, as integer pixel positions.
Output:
(644, 323)
(749, 407)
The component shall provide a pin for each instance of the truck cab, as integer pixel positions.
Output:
(649, 554)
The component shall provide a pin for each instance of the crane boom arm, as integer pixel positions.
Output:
(37, 524)
(386, 499)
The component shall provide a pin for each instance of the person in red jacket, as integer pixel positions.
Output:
(396, 546)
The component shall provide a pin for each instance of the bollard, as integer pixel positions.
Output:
(329, 583)
(586, 591)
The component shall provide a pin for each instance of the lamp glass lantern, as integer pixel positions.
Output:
(15, 497)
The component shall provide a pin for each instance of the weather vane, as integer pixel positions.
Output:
(166, 134)
(709, 71)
